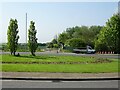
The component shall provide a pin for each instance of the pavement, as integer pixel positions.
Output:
(59, 80)
(58, 76)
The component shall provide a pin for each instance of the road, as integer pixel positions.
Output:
(116, 56)
(62, 84)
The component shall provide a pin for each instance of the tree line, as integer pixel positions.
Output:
(75, 37)
(103, 38)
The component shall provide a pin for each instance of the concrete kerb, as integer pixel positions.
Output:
(60, 79)
(58, 76)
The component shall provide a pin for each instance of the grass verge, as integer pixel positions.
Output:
(66, 68)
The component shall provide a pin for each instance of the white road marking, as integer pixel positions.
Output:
(23, 80)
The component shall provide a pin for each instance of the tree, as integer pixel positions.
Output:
(76, 43)
(95, 30)
(63, 37)
(12, 36)
(54, 41)
(32, 42)
(93, 33)
(110, 34)
(55, 45)
(70, 32)
(85, 34)
(113, 33)
(50, 45)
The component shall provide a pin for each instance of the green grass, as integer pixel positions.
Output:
(46, 58)
(74, 68)
(87, 68)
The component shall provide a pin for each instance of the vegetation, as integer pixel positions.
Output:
(76, 37)
(75, 42)
(12, 36)
(32, 42)
(67, 68)
(102, 38)
(51, 63)
(22, 47)
(109, 37)
(53, 44)
(63, 37)
(48, 58)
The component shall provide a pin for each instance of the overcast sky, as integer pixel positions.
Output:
(52, 18)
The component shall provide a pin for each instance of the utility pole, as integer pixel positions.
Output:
(26, 31)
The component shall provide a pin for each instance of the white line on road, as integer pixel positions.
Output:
(23, 81)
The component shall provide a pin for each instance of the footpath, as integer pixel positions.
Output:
(58, 76)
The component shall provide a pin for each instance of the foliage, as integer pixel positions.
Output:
(84, 33)
(42, 44)
(4, 47)
(32, 42)
(55, 45)
(50, 45)
(70, 32)
(76, 42)
(110, 35)
(12, 36)
(54, 41)
(63, 37)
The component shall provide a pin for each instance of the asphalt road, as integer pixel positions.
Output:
(71, 54)
(63, 84)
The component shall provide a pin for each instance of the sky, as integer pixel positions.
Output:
(52, 18)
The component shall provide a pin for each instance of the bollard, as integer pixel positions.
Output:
(105, 52)
(111, 52)
(102, 52)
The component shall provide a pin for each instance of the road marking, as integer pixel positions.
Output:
(22, 81)
(92, 81)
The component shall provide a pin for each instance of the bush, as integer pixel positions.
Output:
(101, 47)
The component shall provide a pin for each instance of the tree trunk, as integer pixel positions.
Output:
(33, 53)
(14, 53)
